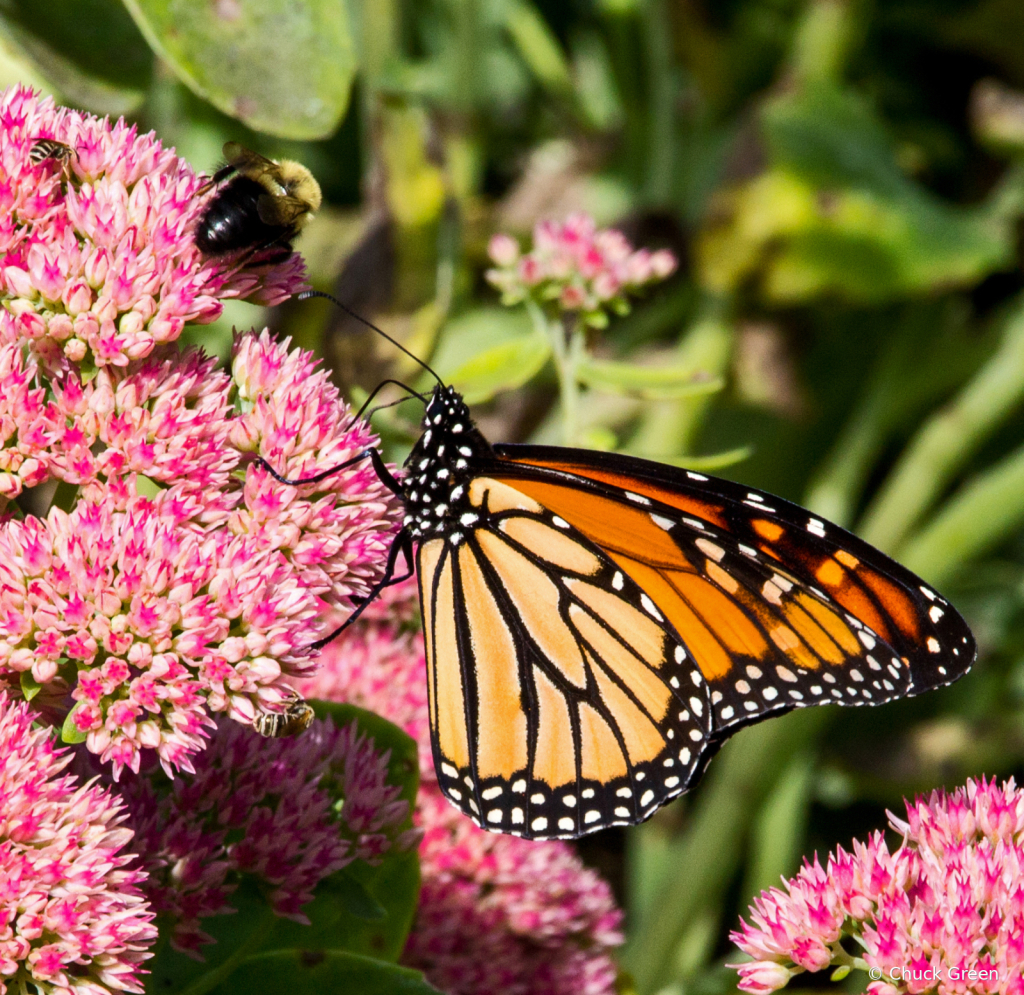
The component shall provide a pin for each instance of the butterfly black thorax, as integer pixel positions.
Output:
(439, 467)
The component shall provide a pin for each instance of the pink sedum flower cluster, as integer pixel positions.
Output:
(496, 913)
(72, 918)
(265, 809)
(944, 912)
(576, 268)
(184, 579)
(152, 572)
(97, 259)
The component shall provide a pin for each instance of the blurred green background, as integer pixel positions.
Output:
(843, 183)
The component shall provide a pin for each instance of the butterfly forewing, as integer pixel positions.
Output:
(779, 609)
(561, 701)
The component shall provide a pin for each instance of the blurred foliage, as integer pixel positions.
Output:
(842, 183)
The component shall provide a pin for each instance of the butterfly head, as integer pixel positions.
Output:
(440, 465)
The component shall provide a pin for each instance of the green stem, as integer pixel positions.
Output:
(838, 483)
(779, 827)
(834, 491)
(822, 42)
(1006, 201)
(948, 440)
(568, 348)
(65, 496)
(707, 856)
(661, 82)
(668, 428)
(973, 520)
(207, 982)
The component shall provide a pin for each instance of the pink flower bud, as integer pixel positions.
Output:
(75, 350)
(663, 264)
(530, 270)
(761, 977)
(573, 298)
(503, 250)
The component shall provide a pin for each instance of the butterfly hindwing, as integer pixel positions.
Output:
(560, 700)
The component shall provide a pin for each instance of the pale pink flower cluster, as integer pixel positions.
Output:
(97, 259)
(576, 267)
(72, 918)
(496, 913)
(944, 912)
(287, 813)
(502, 914)
(184, 579)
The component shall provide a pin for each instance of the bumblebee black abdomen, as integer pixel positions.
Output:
(232, 220)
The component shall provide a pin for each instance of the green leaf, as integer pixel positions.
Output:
(714, 461)
(30, 687)
(357, 900)
(871, 231)
(70, 733)
(537, 45)
(299, 972)
(502, 367)
(651, 382)
(279, 66)
(89, 50)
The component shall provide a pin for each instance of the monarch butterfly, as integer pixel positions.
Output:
(597, 625)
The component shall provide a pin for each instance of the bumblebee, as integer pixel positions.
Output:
(296, 717)
(260, 204)
(50, 148)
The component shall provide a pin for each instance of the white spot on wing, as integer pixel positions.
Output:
(651, 608)
(710, 549)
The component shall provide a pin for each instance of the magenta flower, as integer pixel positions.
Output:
(177, 585)
(72, 917)
(97, 259)
(576, 268)
(263, 808)
(496, 913)
(944, 912)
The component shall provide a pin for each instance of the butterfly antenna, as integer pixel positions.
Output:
(306, 294)
(376, 390)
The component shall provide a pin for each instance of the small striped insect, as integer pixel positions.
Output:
(296, 716)
(597, 625)
(49, 148)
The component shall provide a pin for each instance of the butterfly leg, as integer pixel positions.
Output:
(401, 545)
(383, 473)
